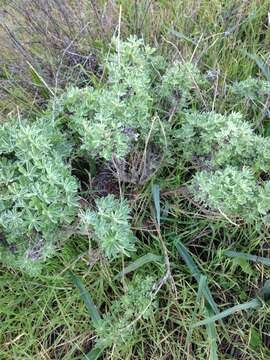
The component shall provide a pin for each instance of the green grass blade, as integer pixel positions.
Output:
(156, 198)
(265, 291)
(138, 263)
(212, 335)
(262, 66)
(195, 272)
(19, 94)
(91, 307)
(254, 258)
(43, 87)
(95, 353)
(181, 36)
(197, 275)
(202, 284)
(253, 304)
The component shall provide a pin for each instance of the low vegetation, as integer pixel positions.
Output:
(134, 191)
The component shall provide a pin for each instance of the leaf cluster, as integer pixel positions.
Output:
(251, 89)
(180, 82)
(118, 325)
(38, 194)
(110, 226)
(110, 118)
(231, 162)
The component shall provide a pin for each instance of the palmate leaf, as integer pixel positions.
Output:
(110, 226)
(38, 191)
(229, 157)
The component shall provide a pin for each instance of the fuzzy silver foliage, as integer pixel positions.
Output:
(117, 326)
(38, 195)
(110, 226)
(112, 117)
(231, 160)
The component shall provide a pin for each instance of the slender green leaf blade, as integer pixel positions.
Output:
(156, 198)
(255, 338)
(254, 258)
(95, 353)
(181, 36)
(44, 88)
(138, 263)
(262, 66)
(212, 335)
(264, 293)
(91, 307)
(253, 304)
(196, 274)
(202, 284)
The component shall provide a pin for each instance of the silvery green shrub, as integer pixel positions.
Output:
(179, 83)
(129, 108)
(110, 227)
(253, 89)
(117, 326)
(123, 111)
(38, 194)
(231, 161)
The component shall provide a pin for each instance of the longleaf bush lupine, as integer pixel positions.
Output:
(39, 198)
(38, 194)
(110, 226)
(109, 119)
(250, 97)
(180, 85)
(252, 90)
(142, 102)
(117, 326)
(232, 164)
